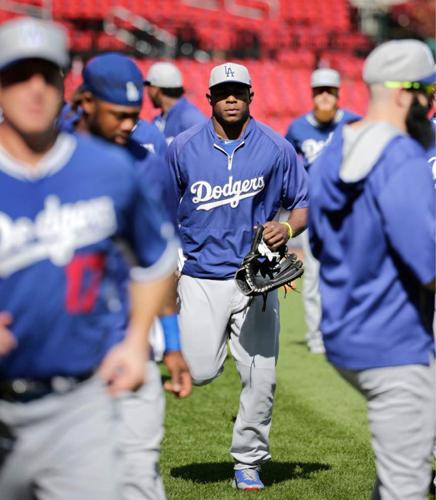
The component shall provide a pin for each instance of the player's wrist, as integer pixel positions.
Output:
(290, 232)
(170, 327)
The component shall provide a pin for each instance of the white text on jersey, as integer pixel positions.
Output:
(229, 194)
(57, 231)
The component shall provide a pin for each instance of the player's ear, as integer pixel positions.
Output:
(209, 98)
(87, 102)
(251, 97)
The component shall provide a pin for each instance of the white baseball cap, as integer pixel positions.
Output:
(26, 38)
(400, 61)
(325, 77)
(229, 72)
(165, 75)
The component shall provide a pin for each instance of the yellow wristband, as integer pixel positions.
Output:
(290, 232)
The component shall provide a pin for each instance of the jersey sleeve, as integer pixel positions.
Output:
(295, 183)
(408, 206)
(150, 236)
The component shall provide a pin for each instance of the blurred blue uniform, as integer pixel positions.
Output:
(179, 118)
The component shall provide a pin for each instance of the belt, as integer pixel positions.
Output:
(24, 390)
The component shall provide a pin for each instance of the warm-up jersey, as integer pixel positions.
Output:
(60, 227)
(375, 239)
(146, 136)
(223, 193)
(308, 136)
(180, 117)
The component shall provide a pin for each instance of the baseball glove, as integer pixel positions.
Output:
(263, 270)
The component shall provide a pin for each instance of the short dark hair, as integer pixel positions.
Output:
(172, 92)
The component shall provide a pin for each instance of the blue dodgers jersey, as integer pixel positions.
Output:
(309, 137)
(60, 228)
(375, 240)
(146, 136)
(180, 117)
(222, 197)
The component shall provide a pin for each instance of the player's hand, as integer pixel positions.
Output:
(7, 340)
(275, 234)
(181, 382)
(123, 368)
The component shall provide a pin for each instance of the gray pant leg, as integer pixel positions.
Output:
(311, 296)
(205, 308)
(64, 447)
(141, 432)
(254, 345)
(400, 402)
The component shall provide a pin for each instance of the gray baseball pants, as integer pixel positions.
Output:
(65, 448)
(212, 313)
(401, 414)
(141, 433)
(311, 297)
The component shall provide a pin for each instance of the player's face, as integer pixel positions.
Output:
(111, 121)
(230, 103)
(154, 95)
(31, 95)
(325, 98)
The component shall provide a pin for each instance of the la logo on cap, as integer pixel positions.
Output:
(31, 35)
(132, 92)
(229, 72)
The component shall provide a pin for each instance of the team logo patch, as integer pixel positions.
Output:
(55, 234)
(229, 72)
(132, 92)
(208, 197)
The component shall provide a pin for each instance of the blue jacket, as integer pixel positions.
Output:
(308, 136)
(58, 253)
(222, 197)
(179, 118)
(375, 239)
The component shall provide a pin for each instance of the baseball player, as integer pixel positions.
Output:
(64, 201)
(110, 110)
(164, 84)
(309, 134)
(231, 174)
(371, 199)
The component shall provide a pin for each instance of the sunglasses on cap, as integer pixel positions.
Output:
(427, 88)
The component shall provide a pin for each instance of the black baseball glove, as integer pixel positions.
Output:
(263, 270)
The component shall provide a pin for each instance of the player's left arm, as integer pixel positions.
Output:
(294, 199)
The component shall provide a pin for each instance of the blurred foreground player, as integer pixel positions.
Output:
(231, 174)
(164, 84)
(64, 200)
(309, 134)
(111, 103)
(372, 228)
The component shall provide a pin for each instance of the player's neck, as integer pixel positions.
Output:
(324, 117)
(167, 103)
(27, 149)
(229, 131)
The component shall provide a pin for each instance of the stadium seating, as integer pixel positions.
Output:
(282, 47)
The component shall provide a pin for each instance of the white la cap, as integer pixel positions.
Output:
(325, 77)
(165, 75)
(27, 38)
(400, 60)
(229, 72)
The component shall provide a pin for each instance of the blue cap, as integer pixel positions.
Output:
(114, 78)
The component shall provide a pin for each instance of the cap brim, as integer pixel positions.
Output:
(230, 81)
(37, 55)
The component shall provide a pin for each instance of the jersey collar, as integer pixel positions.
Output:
(53, 161)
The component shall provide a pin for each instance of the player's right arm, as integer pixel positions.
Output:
(7, 340)
(153, 250)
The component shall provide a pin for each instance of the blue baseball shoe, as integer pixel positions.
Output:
(248, 480)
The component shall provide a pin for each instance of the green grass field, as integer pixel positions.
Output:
(319, 438)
